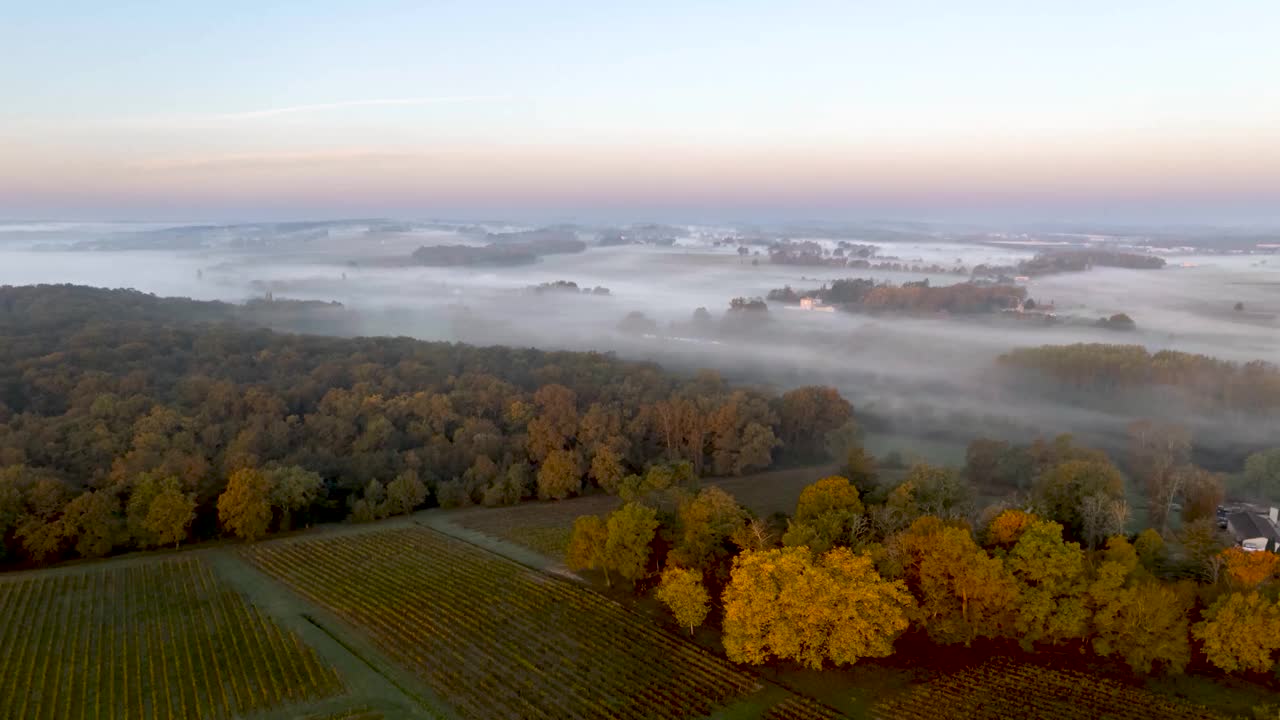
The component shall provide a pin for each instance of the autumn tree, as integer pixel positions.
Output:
(784, 603)
(1248, 570)
(94, 520)
(682, 592)
(1202, 543)
(828, 513)
(963, 592)
(405, 493)
(1006, 528)
(559, 475)
(631, 529)
(1150, 548)
(1202, 493)
(1050, 574)
(556, 423)
(171, 513)
(244, 508)
(704, 524)
(588, 544)
(607, 469)
(1241, 632)
(1137, 618)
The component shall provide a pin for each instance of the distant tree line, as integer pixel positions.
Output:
(132, 421)
(866, 295)
(1103, 369)
(1060, 261)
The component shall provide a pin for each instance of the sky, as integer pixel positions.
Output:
(1134, 111)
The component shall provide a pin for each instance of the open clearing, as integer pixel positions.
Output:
(494, 638)
(158, 639)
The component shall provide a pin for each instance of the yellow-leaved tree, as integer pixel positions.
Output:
(783, 603)
(1241, 632)
(682, 592)
(244, 507)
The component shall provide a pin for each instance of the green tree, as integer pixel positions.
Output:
(631, 529)
(704, 524)
(828, 513)
(244, 508)
(1059, 492)
(94, 520)
(1050, 574)
(294, 489)
(1136, 618)
(682, 592)
(1262, 474)
(405, 493)
(171, 514)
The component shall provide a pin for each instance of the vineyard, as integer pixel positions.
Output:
(495, 639)
(1004, 689)
(156, 640)
(798, 707)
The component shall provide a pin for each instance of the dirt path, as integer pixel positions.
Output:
(372, 680)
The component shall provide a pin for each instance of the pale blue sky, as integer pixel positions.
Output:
(809, 108)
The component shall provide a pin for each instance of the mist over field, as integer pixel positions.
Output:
(912, 377)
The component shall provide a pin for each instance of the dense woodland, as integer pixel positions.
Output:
(866, 295)
(865, 559)
(1207, 383)
(132, 421)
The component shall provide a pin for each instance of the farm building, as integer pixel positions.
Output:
(1255, 531)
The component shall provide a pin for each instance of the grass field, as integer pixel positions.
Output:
(495, 639)
(160, 639)
(1005, 689)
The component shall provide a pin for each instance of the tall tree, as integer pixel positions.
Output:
(1059, 492)
(964, 593)
(171, 514)
(588, 544)
(1241, 632)
(1157, 451)
(807, 414)
(704, 524)
(244, 507)
(631, 529)
(1050, 574)
(294, 489)
(682, 592)
(1135, 617)
(783, 603)
(93, 519)
(559, 476)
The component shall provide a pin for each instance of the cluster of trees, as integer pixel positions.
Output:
(123, 424)
(496, 253)
(1079, 260)
(850, 571)
(865, 295)
(566, 286)
(1104, 369)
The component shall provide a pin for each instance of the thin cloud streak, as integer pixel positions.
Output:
(320, 107)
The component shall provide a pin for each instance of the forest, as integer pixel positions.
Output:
(871, 556)
(1099, 369)
(131, 421)
(866, 295)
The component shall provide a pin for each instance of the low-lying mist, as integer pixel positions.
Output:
(935, 377)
